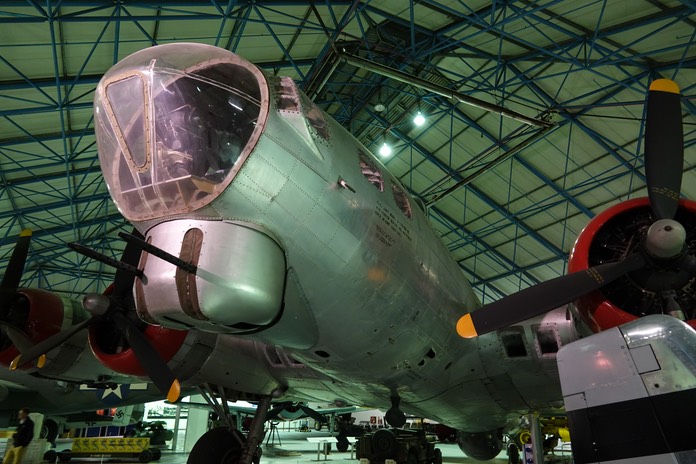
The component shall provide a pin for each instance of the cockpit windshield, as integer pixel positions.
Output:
(174, 127)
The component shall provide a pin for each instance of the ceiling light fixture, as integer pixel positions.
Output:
(385, 150)
(419, 119)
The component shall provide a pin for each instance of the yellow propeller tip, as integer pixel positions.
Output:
(15, 363)
(664, 85)
(41, 362)
(25, 233)
(174, 391)
(465, 327)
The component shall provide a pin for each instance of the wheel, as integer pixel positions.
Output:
(50, 456)
(65, 456)
(156, 454)
(412, 457)
(49, 430)
(145, 456)
(395, 417)
(342, 443)
(523, 437)
(217, 446)
(384, 444)
(513, 453)
(437, 456)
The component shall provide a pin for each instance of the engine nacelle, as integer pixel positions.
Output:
(195, 357)
(40, 314)
(482, 446)
(614, 234)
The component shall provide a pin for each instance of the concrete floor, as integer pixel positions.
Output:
(296, 449)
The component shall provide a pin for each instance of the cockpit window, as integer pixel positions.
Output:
(129, 117)
(370, 171)
(170, 140)
(201, 127)
(401, 200)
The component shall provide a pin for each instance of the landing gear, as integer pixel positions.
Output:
(218, 446)
(513, 453)
(394, 416)
(342, 443)
(226, 444)
(49, 430)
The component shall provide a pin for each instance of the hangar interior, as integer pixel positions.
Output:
(507, 198)
(533, 113)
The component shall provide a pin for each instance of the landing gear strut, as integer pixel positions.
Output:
(226, 444)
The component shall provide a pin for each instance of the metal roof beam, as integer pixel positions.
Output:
(510, 216)
(459, 229)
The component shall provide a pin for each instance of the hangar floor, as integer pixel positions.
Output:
(296, 449)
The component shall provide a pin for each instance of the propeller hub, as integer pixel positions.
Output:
(96, 303)
(665, 239)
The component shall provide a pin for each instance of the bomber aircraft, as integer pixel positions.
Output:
(275, 259)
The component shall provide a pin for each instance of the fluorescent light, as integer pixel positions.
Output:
(385, 150)
(419, 119)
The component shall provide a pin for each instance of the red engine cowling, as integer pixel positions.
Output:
(38, 313)
(614, 234)
(107, 346)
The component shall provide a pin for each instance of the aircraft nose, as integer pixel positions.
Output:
(174, 124)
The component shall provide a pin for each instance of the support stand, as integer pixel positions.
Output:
(537, 438)
(273, 435)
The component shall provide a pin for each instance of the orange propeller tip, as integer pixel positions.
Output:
(15, 363)
(174, 391)
(41, 361)
(664, 85)
(25, 233)
(465, 327)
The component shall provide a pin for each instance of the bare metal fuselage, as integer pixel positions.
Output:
(371, 296)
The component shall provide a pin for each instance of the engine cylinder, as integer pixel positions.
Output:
(618, 232)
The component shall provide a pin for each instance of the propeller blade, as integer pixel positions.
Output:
(544, 297)
(15, 269)
(39, 350)
(18, 338)
(124, 280)
(150, 359)
(664, 148)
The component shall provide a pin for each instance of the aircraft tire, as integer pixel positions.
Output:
(437, 456)
(384, 444)
(513, 453)
(342, 443)
(49, 430)
(217, 446)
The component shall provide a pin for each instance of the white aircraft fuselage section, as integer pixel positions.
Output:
(301, 239)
